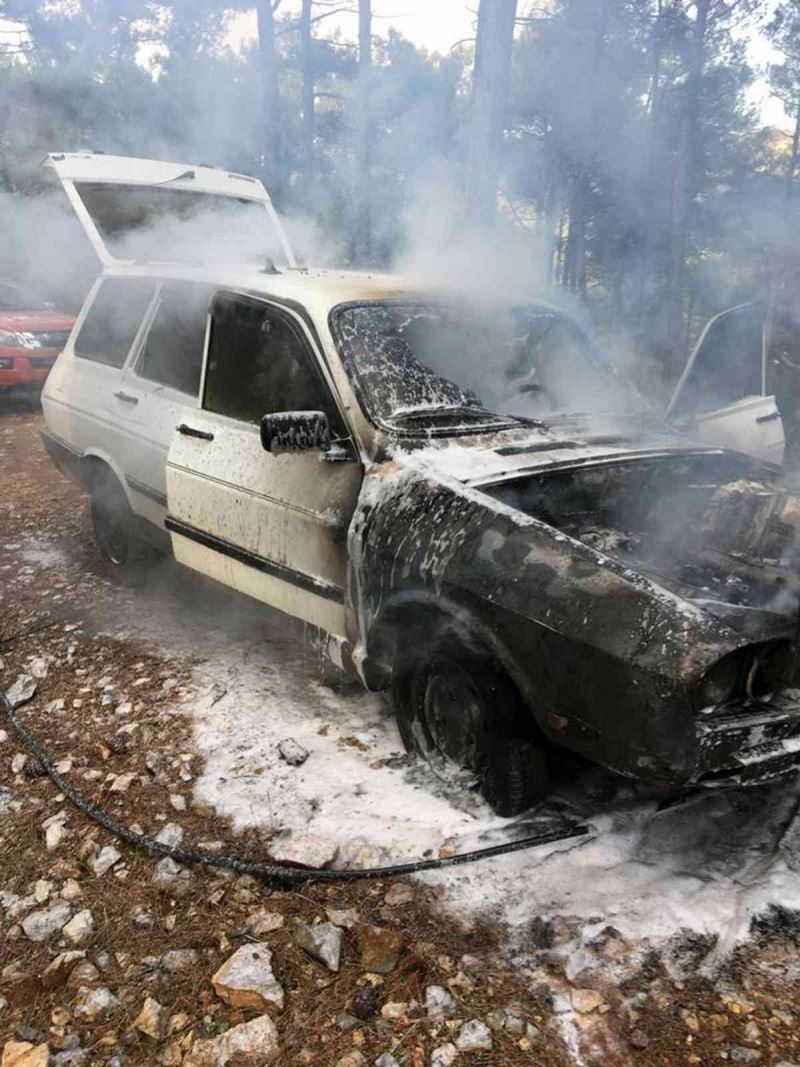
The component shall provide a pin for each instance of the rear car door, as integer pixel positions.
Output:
(722, 397)
(162, 386)
(85, 400)
(272, 526)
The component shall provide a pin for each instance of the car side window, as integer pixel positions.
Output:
(258, 364)
(173, 352)
(109, 329)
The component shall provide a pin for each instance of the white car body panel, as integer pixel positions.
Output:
(290, 511)
(752, 425)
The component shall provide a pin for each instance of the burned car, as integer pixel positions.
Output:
(460, 494)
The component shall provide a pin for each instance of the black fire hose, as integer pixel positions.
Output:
(274, 872)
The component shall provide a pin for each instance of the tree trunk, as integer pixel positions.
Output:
(490, 88)
(682, 188)
(575, 280)
(307, 52)
(363, 184)
(270, 100)
(649, 219)
(791, 168)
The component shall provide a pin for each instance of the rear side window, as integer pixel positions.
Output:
(173, 352)
(110, 327)
(259, 365)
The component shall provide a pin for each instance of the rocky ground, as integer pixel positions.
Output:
(110, 957)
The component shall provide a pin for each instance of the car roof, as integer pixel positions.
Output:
(322, 288)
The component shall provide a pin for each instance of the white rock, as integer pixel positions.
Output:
(586, 1000)
(322, 942)
(18, 762)
(42, 890)
(170, 875)
(122, 783)
(307, 849)
(293, 753)
(22, 690)
(39, 666)
(474, 1036)
(399, 895)
(3, 736)
(124, 709)
(178, 802)
(386, 1060)
(444, 1055)
(64, 766)
(179, 959)
(346, 917)
(256, 1041)
(40, 925)
(264, 922)
(170, 835)
(60, 816)
(23, 1054)
(439, 1004)
(15, 906)
(105, 860)
(54, 835)
(80, 928)
(246, 980)
(71, 890)
(152, 1020)
(96, 1004)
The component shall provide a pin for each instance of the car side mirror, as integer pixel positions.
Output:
(295, 431)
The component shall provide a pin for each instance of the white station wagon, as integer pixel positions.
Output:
(461, 495)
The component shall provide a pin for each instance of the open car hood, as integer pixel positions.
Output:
(135, 210)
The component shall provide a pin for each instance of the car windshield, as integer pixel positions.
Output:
(421, 365)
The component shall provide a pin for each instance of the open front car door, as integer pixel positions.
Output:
(268, 517)
(722, 395)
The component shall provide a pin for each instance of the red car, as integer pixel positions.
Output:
(32, 334)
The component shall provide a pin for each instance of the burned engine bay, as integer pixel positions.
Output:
(713, 527)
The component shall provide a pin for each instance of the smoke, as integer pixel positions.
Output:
(495, 262)
(44, 247)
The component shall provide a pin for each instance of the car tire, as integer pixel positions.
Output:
(456, 708)
(126, 558)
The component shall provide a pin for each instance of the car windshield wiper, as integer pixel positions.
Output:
(448, 411)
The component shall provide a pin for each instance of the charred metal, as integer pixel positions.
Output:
(610, 588)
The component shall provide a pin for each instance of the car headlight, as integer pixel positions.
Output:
(719, 684)
(15, 339)
(767, 671)
(750, 675)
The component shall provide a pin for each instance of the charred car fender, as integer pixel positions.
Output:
(605, 659)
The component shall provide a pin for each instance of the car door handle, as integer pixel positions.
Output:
(126, 398)
(190, 431)
(768, 418)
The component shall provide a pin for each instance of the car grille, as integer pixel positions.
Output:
(51, 338)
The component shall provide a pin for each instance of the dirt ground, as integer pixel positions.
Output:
(107, 708)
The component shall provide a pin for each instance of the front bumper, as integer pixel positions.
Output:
(751, 745)
(28, 373)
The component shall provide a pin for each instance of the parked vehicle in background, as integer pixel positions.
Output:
(463, 495)
(32, 334)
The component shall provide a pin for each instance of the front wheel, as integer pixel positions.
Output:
(457, 708)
